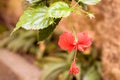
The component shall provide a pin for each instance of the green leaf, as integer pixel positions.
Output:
(67, 1)
(58, 10)
(90, 2)
(34, 19)
(39, 2)
(34, 1)
(55, 75)
(65, 75)
(53, 59)
(44, 33)
(92, 74)
(52, 69)
(70, 57)
(84, 6)
(31, 1)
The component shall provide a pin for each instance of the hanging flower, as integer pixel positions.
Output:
(69, 42)
(74, 69)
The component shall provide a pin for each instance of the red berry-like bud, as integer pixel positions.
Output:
(74, 69)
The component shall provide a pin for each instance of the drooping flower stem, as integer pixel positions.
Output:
(74, 69)
(75, 54)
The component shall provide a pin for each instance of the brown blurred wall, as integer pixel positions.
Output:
(10, 10)
(108, 30)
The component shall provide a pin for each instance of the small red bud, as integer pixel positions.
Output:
(74, 69)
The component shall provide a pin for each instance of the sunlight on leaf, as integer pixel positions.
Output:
(52, 69)
(34, 19)
(90, 2)
(92, 74)
(59, 9)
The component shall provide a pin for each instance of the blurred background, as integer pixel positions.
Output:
(22, 57)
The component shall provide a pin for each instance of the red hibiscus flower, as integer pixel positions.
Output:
(68, 42)
(74, 69)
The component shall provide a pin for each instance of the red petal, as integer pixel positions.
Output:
(66, 41)
(84, 41)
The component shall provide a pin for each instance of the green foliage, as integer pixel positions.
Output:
(65, 75)
(83, 6)
(44, 33)
(57, 67)
(21, 41)
(92, 74)
(89, 2)
(44, 2)
(42, 14)
(58, 10)
(3, 28)
(42, 18)
(39, 2)
(34, 1)
(53, 71)
(34, 19)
